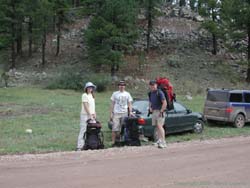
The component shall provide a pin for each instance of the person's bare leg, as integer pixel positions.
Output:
(113, 137)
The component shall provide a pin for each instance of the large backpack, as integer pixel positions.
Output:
(93, 136)
(130, 131)
(167, 88)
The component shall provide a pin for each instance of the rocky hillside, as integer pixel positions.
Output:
(181, 51)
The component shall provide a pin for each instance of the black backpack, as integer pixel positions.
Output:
(130, 131)
(93, 136)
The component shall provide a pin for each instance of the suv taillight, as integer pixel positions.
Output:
(229, 110)
(141, 121)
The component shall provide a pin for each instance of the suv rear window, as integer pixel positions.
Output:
(217, 96)
(235, 97)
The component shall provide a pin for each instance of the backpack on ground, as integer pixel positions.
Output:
(93, 136)
(130, 131)
(167, 88)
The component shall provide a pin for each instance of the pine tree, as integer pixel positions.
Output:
(10, 26)
(60, 8)
(211, 9)
(31, 10)
(110, 33)
(43, 23)
(151, 12)
(236, 14)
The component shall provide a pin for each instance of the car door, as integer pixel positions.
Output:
(170, 121)
(180, 120)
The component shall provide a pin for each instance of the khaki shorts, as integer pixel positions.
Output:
(117, 122)
(157, 119)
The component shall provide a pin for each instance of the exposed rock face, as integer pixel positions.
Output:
(18, 78)
(175, 29)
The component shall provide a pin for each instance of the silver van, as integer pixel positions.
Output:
(224, 105)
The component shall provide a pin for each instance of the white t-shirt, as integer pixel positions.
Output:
(88, 98)
(121, 100)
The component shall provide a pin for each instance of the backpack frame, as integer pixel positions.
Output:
(93, 136)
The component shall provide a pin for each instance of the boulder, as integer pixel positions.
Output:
(198, 18)
(186, 12)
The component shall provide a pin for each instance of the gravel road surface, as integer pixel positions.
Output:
(223, 163)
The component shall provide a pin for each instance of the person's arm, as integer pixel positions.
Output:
(164, 105)
(112, 109)
(150, 107)
(149, 103)
(150, 110)
(130, 108)
(86, 107)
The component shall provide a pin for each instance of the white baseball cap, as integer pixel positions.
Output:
(89, 84)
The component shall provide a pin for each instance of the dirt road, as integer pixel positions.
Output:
(208, 164)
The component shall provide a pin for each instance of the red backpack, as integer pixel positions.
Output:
(165, 85)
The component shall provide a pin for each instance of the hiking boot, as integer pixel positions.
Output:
(156, 143)
(162, 145)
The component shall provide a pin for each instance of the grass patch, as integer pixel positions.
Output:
(53, 116)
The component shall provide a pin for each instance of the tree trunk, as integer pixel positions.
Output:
(214, 52)
(44, 44)
(54, 23)
(59, 24)
(13, 49)
(19, 39)
(77, 3)
(13, 35)
(58, 41)
(182, 3)
(30, 34)
(248, 56)
(114, 69)
(149, 18)
(214, 45)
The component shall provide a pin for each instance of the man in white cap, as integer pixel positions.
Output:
(87, 112)
(121, 106)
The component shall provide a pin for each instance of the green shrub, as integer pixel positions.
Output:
(100, 80)
(71, 79)
(66, 80)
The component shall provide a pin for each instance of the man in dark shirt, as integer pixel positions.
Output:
(157, 106)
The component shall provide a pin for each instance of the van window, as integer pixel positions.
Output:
(247, 97)
(235, 97)
(217, 96)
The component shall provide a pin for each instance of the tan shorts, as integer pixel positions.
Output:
(157, 119)
(117, 121)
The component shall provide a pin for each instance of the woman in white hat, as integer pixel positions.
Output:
(87, 112)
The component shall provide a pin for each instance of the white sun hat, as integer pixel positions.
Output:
(89, 84)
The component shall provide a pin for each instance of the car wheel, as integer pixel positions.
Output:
(239, 121)
(198, 126)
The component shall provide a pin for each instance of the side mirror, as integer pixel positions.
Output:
(189, 111)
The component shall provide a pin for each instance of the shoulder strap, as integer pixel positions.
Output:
(158, 94)
(149, 94)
